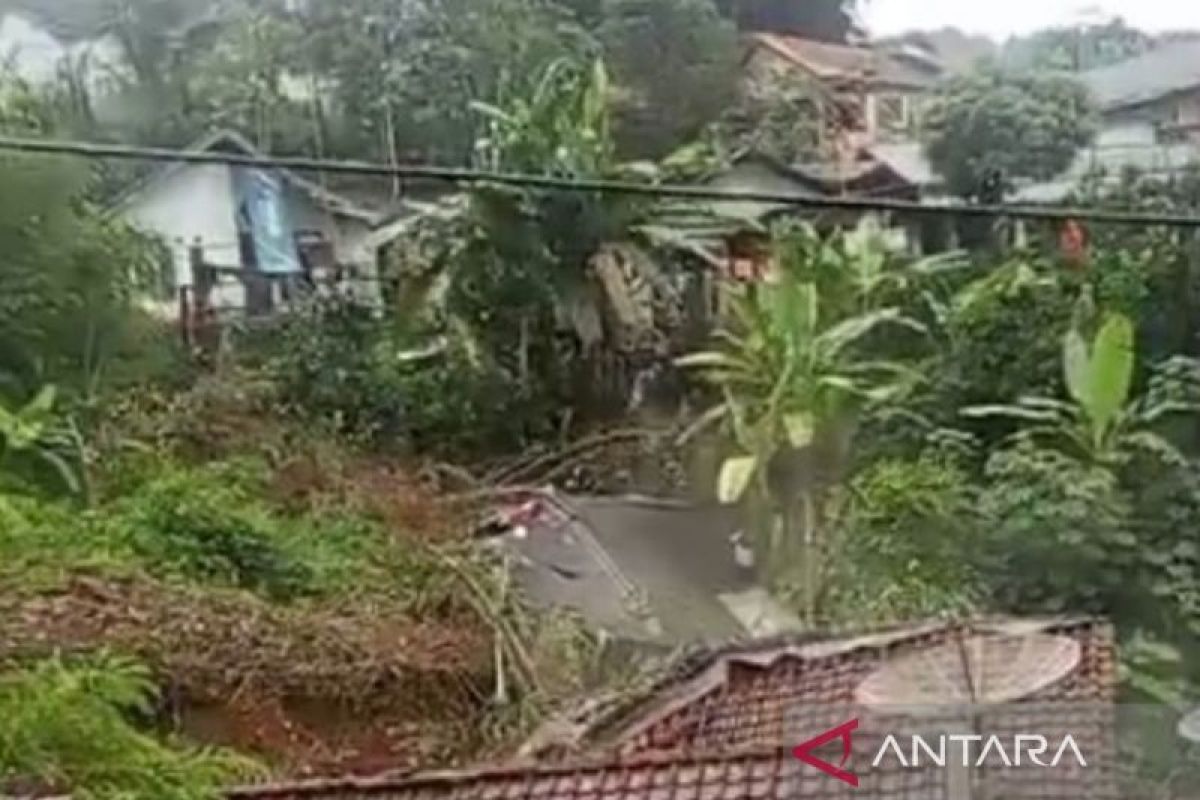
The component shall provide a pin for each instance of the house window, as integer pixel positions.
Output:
(892, 112)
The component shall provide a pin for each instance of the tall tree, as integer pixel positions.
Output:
(244, 80)
(404, 73)
(675, 63)
(989, 128)
(826, 20)
(1077, 49)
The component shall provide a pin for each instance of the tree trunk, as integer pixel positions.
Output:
(800, 483)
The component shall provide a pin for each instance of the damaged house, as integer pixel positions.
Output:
(750, 722)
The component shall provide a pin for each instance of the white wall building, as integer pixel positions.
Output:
(188, 204)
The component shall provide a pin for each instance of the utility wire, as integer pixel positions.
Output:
(463, 176)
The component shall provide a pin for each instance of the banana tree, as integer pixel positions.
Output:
(1100, 422)
(794, 372)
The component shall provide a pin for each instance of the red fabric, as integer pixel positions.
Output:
(1073, 242)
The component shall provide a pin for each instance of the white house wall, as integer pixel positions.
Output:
(198, 202)
(192, 203)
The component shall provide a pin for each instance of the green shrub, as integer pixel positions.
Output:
(66, 727)
(211, 525)
(905, 533)
(40, 540)
(205, 526)
(1006, 335)
(1061, 534)
(343, 364)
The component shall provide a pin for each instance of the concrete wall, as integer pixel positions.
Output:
(190, 203)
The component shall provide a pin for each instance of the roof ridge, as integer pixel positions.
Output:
(332, 201)
(625, 716)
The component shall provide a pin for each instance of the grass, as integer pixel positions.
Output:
(235, 579)
(210, 526)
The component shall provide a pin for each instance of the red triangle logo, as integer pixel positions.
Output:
(843, 732)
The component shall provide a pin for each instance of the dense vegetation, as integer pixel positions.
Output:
(1003, 431)
(990, 128)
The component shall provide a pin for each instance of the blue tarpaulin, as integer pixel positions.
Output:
(263, 213)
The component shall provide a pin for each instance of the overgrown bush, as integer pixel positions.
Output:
(211, 525)
(905, 535)
(1060, 535)
(1005, 332)
(341, 362)
(68, 728)
(205, 526)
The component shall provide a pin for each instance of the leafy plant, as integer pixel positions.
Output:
(793, 372)
(563, 126)
(398, 387)
(1012, 126)
(1060, 534)
(1002, 334)
(902, 541)
(68, 727)
(211, 526)
(73, 274)
(34, 436)
(674, 65)
(1100, 423)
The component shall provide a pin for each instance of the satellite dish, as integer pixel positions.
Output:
(982, 670)
(1189, 726)
(962, 675)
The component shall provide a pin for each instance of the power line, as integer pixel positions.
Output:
(465, 176)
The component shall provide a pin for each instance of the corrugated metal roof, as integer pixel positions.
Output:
(1111, 162)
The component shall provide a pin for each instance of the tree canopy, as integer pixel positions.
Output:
(826, 20)
(1078, 48)
(1003, 126)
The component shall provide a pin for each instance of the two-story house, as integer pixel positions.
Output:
(866, 94)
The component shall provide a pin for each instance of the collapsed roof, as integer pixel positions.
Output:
(646, 571)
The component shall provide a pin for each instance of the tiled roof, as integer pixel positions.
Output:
(720, 725)
(746, 695)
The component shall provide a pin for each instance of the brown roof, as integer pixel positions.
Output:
(722, 723)
(750, 694)
(838, 63)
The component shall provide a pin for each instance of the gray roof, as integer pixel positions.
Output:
(1163, 71)
(645, 570)
(1109, 164)
(906, 159)
(230, 141)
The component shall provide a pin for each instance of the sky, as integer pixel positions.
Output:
(1002, 18)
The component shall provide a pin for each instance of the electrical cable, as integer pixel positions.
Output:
(460, 176)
